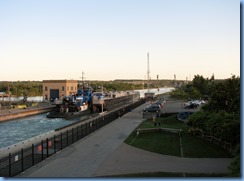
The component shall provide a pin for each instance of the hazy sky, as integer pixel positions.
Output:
(110, 39)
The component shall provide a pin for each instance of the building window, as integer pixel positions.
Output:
(67, 88)
(71, 88)
(45, 97)
(62, 88)
(45, 88)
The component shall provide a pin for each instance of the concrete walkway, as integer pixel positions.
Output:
(127, 159)
(103, 153)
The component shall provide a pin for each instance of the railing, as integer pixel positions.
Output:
(150, 130)
(227, 146)
(17, 162)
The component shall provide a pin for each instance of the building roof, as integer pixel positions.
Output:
(60, 81)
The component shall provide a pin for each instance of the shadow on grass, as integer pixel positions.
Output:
(169, 143)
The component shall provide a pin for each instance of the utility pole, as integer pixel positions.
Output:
(148, 72)
(82, 79)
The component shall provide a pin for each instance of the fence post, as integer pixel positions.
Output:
(87, 132)
(72, 135)
(42, 150)
(103, 121)
(77, 133)
(82, 131)
(54, 143)
(99, 123)
(9, 165)
(61, 143)
(47, 146)
(97, 126)
(22, 160)
(90, 127)
(67, 136)
(33, 161)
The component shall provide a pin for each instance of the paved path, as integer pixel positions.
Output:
(128, 159)
(103, 153)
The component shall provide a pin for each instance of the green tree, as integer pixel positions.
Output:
(225, 96)
(200, 84)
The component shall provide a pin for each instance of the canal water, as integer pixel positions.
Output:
(18, 130)
(22, 129)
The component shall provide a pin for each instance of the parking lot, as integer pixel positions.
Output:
(175, 106)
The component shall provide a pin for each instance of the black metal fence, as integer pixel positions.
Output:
(17, 162)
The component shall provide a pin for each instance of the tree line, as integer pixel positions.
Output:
(21, 88)
(34, 88)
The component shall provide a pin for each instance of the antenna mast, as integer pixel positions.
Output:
(82, 78)
(148, 72)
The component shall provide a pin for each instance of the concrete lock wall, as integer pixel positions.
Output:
(26, 113)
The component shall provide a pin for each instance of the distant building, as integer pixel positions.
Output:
(58, 89)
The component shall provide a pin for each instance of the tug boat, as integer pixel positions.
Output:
(73, 105)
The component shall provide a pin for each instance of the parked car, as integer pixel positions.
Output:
(191, 106)
(152, 108)
(160, 103)
(183, 115)
(198, 102)
(187, 103)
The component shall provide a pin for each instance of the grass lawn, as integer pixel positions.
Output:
(198, 148)
(165, 122)
(163, 143)
(169, 143)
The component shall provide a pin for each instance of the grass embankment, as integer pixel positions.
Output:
(169, 143)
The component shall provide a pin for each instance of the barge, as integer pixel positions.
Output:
(107, 101)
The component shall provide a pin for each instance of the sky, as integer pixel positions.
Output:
(110, 39)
